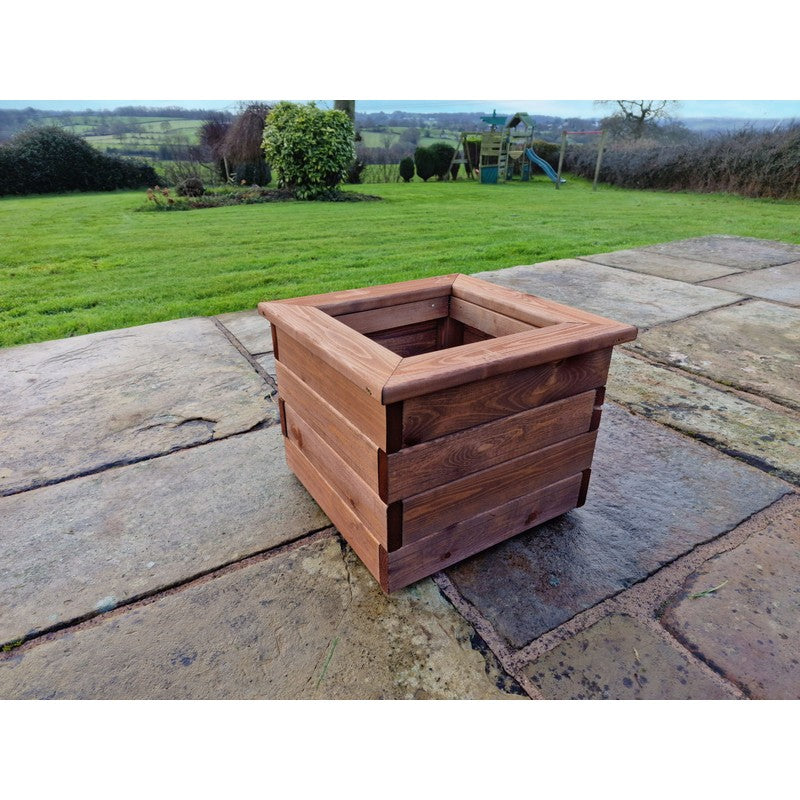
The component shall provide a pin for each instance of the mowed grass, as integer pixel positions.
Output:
(78, 263)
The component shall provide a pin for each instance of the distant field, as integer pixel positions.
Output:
(73, 264)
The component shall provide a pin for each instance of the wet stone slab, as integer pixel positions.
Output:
(71, 406)
(739, 252)
(754, 346)
(749, 628)
(307, 623)
(92, 543)
(251, 329)
(774, 283)
(762, 437)
(654, 495)
(641, 300)
(673, 267)
(618, 658)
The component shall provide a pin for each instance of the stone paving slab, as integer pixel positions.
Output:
(71, 406)
(780, 283)
(251, 329)
(673, 267)
(654, 495)
(89, 544)
(619, 658)
(641, 300)
(267, 361)
(739, 252)
(306, 623)
(764, 438)
(749, 628)
(754, 346)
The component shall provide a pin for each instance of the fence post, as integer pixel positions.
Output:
(561, 157)
(599, 160)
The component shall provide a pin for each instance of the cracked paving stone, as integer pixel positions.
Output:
(754, 346)
(749, 628)
(251, 329)
(306, 623)
(764, 438)
(654, 495)
(267, 361)
(739, 252)
(92, 543)
(71, 406)
(618, 658)
(781, 283)
(641, 300)
(673, 267)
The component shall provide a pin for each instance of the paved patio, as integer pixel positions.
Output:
(155, 545)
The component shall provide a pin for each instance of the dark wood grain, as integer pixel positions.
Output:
(435, 509)
(463, 539)
(361, 410)
(440, 461)
(396, 316)
(362, 499)
(360, 452)
(484, 319)
(450, 410)
(340, 514)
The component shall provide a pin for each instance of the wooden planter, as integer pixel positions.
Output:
(434, 418)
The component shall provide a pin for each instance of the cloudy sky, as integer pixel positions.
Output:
(745, 109)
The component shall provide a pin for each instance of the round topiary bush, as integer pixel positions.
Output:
(190, 187)
(425, 163)
(309, 149)
(442, 156)
(407, 169)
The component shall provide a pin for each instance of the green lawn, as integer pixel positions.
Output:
(77, 263)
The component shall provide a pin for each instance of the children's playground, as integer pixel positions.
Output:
(506, 151)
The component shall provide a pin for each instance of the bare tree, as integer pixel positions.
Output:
(633, 118)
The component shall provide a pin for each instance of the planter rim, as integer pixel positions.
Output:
(562, 331)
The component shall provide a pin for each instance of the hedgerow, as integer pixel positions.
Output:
(746, 162)
(50, 159)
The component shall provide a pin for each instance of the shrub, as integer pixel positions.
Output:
(407, 169)
(442, 156)
(547, 151)
(51, 159)
(258, 173)
(425, 163)
(190, 187)
(355, 170)
(309, 149)
(746, 162)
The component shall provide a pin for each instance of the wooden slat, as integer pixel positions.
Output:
(442, 369)
(486, 320)
(398, 316)
(362, 411)
(529, 308)
(363, 362)
(347, 523)
(426, 556)
(460, 407)
(351, 301)
(355, 448)
(450, 333)
(358, 496)
(431, 511)
(433, 463)
(410, 340)
(472, 335)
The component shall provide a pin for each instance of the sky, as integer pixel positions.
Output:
(741, 109)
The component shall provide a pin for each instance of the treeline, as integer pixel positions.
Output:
(745, 162)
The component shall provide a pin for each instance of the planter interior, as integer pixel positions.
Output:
(431, 419)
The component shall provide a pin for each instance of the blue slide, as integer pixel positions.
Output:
(540, 162)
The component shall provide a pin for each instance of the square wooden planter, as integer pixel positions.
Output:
(434, 418)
